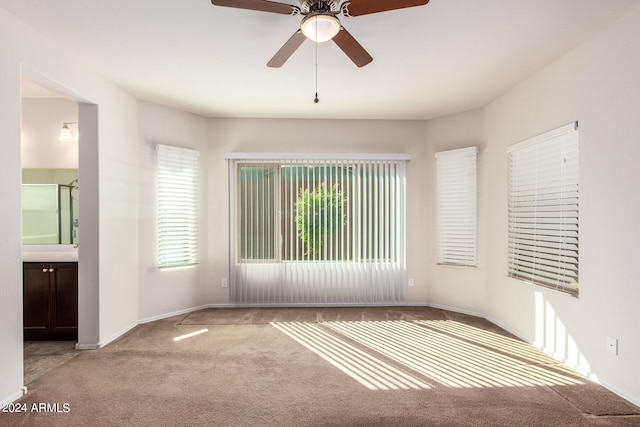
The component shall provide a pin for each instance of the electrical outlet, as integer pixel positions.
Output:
(410, 282)
(224, 283)
(612, 345)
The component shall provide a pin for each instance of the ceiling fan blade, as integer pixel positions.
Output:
(287, 50)
(352, 48)
(365, 7)
(261, 5)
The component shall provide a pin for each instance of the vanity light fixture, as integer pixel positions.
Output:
(65, 133)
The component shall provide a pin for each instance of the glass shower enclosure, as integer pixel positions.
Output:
(49, 214)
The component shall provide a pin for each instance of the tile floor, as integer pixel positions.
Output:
(41, 356)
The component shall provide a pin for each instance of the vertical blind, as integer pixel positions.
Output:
(177, 206)
(317, 230)
(543, 209)
(456, 193)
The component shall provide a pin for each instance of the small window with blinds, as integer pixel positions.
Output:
(456, 191)
(177, 206)
(543, 209)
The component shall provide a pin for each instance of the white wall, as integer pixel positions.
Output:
(41, 123)
(319, 136)
(598, 85)
(11, 366)
(169, 290)
(458, 288)
(110, 251)
(118, 186)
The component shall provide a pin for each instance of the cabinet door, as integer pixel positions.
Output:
(37, 300)
(64, 319)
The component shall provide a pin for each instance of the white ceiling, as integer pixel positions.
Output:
(429, 61)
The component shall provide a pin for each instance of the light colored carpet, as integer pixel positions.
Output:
(320, 367)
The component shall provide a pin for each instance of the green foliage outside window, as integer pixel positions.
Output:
(320, 215)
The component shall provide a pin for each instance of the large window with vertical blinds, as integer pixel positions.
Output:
(544, 209)
(317, 229)
(456, 194)
(177, 226)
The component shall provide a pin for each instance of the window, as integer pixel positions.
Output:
(257, 222)
(316, 229)
(177, 206)
(326, 211)
(456, 204)
(543, 209)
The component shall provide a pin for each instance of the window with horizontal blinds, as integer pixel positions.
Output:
(543, 209)
(177, 206)
(317, 230)
(456, 193)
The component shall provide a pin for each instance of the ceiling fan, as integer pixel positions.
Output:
(320, 22)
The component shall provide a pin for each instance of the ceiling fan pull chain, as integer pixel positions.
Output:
(316, 100)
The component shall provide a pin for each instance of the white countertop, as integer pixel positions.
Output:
(49, 253)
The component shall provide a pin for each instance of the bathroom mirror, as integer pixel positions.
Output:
(49, 206)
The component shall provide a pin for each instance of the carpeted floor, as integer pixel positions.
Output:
(317, 367)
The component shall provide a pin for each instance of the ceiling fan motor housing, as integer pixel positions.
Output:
(311, 6)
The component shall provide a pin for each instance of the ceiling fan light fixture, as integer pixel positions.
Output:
(320, 27)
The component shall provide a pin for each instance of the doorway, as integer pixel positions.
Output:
(52, 106)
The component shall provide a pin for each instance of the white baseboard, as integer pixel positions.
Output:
(495, 322)
(96, 346)
(457, 310)
(317, 305)
(89, 346)
(118, 334)
(13, 397)
(545, 350)
(620, 393)
(175, 313)
(593, 377)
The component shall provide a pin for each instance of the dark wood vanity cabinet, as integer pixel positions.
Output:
(50, 301)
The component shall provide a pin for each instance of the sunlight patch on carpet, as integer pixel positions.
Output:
(391, 355)
(450, 359)
(364, 367)
(191, 334)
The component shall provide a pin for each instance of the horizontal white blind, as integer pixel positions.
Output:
(456, 192)
(177, 206)
(544, 209)
(317, 231)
